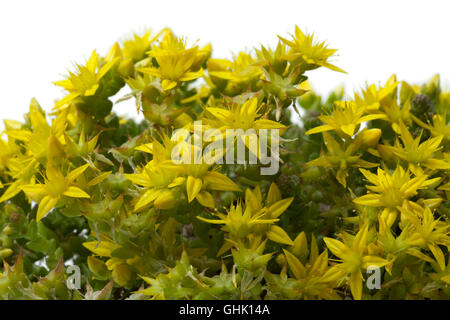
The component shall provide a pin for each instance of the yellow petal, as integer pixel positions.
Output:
(336, 247)
(35, 191)
(177, 182)
(372, 117)
(300, 246)
(213, 221)
(191, 75)
(227, 245)
(107, 67)
(21, 135)
(274, 195)
(193, 187)
(356, 285)
(13, 190)
(165, 201)
(75, 192)
(438, 255)
(141, 179)
(371, 200)
(279, 207)
(77, 172)
(277, 234)
(446, 279)
(148, 148)
(296, 266)
(267, 124)
(102, 248)
(318, 129)
(91, 91)
(99, 178)
(47, 203)
(220, 182)
(168, 84)
(349, 129)
(221, 114)
(66, 99)
(416, 253)
(148, 197)
(333, 274)
(374, 261)
(206, 199)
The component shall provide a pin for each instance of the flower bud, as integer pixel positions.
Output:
(281, 259)
(369, 138)
(5, 253)
(7, 230)
(312, 173)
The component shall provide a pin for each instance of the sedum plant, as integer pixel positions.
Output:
(349, 200)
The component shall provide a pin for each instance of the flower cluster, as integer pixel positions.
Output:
(166, 207)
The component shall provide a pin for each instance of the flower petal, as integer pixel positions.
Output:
(193, 187)
(47, 203)
(75, 192)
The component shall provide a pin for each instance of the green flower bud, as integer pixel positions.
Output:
(5, 253)
(281, 259)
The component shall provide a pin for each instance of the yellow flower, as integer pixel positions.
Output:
(55, 187)
(390, 191)
(274, 60)
(242, 69)
(309, 273)
(43, 139)
(252, 218)
(440, 126)
(161, 151)
(442, 274)
(246, 117)
(308, 50)
(240, 221)
(157, 177)
(201, 177)
(243, 116)
(8, 151)
(396, 114)
(339, 158)
(83, 147)
(86, 80)
(416, 153)
(345, 117)
(354, 257)
(162, 174)
(135, 48)
(175, 63)
(372, 97)
(393, 245)
(22, 171)
(428, 233)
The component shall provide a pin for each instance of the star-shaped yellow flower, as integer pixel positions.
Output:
(55, 187)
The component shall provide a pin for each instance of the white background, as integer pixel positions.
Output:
(40, 40)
